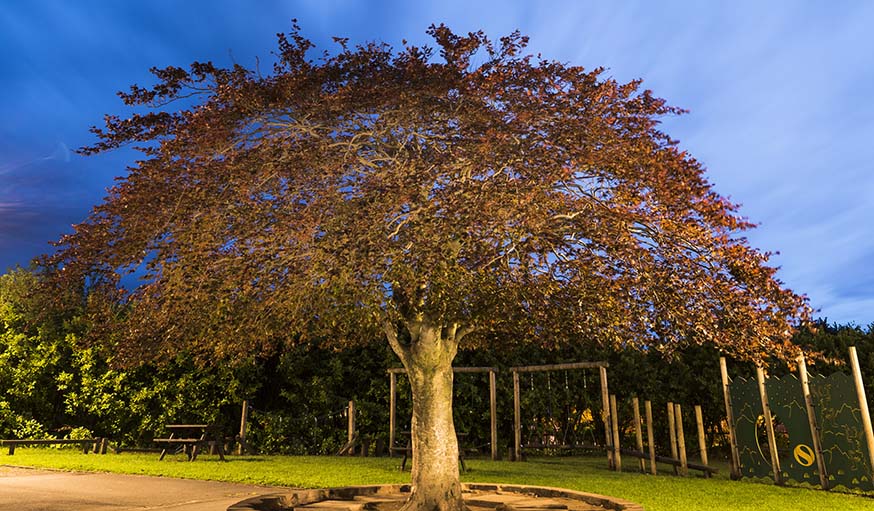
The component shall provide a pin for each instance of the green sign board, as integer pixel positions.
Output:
(747, 407)
(840, 422)
(838, 417)
(792, 430)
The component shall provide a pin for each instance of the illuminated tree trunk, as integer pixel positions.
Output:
(428, 360)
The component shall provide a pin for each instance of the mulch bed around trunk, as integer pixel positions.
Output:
(477, 496)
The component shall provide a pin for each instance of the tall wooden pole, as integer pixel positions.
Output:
(605, 416)
(863, 406)
(672, 432)
(702, 440)
(681, 440)
(517, 419)
(811, 419)
(635, 403)
(244, 420)
(392, 413)
(617, 457)
(650, 437)
(769, 427)
(493, 415)
(350, 433)
(729, 415)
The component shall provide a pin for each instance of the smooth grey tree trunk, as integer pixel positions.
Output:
(428, 361)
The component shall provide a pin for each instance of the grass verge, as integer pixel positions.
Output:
(656, 493)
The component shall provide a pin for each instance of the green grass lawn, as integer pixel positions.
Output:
(656, 493)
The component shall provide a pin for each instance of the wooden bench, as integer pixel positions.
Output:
(87, 444)
(670, 461)
(190, 445)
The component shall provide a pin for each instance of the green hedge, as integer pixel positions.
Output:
(50, 384)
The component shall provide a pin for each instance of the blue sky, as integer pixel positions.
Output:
(781, 96)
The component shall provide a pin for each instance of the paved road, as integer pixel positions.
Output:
(23, 489)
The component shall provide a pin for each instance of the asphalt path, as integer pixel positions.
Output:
(24, 489)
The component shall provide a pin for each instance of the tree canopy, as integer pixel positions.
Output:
(481, 190)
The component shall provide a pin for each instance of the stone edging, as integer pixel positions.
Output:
(288, 500)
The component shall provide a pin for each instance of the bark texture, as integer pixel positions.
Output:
(428, 361)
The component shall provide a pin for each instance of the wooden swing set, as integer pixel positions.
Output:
(392, 418)
(609, 417)
(517, 413)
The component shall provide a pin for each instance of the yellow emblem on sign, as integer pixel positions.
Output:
(804, 455)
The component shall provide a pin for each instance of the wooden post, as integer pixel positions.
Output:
(350, 436)
(863, 405)
(517, 419)
(617, 457)
(769, 427)
(493, 414)
(702, 440)
(243, 448)
(681, 439)
(650, 437)
(672, 432)
(635, 403)
(605, 416)
(811, 419)
(392, 412)
(729, 415)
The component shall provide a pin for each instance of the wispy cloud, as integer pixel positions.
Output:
(61, 153)
(9, 206)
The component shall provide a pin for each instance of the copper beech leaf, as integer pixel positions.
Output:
(512, 198)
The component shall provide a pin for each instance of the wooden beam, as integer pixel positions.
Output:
(243, 448)
(401, 370)
(811, 419)
(672, 433)
(702, 440)
(474, 369)
(517, 420)
(769, 426)
(681, 439)
(670, 461)
(559, 367)
(392, 413)
(493, 414)
(617, 457)
(863, 406)
(650, 437)
(605, 416)
(585, 446)
(729, 415)
(638, 432)
(350, 433)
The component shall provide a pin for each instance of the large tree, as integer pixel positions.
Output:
(465, 198)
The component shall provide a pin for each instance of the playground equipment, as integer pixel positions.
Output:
(812, 429)
(551, 440)
(393, 372)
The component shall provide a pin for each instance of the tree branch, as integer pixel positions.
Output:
(462, 333)
(391, 334)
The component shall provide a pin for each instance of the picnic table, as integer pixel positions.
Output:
(98, 444)
(190, 438)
